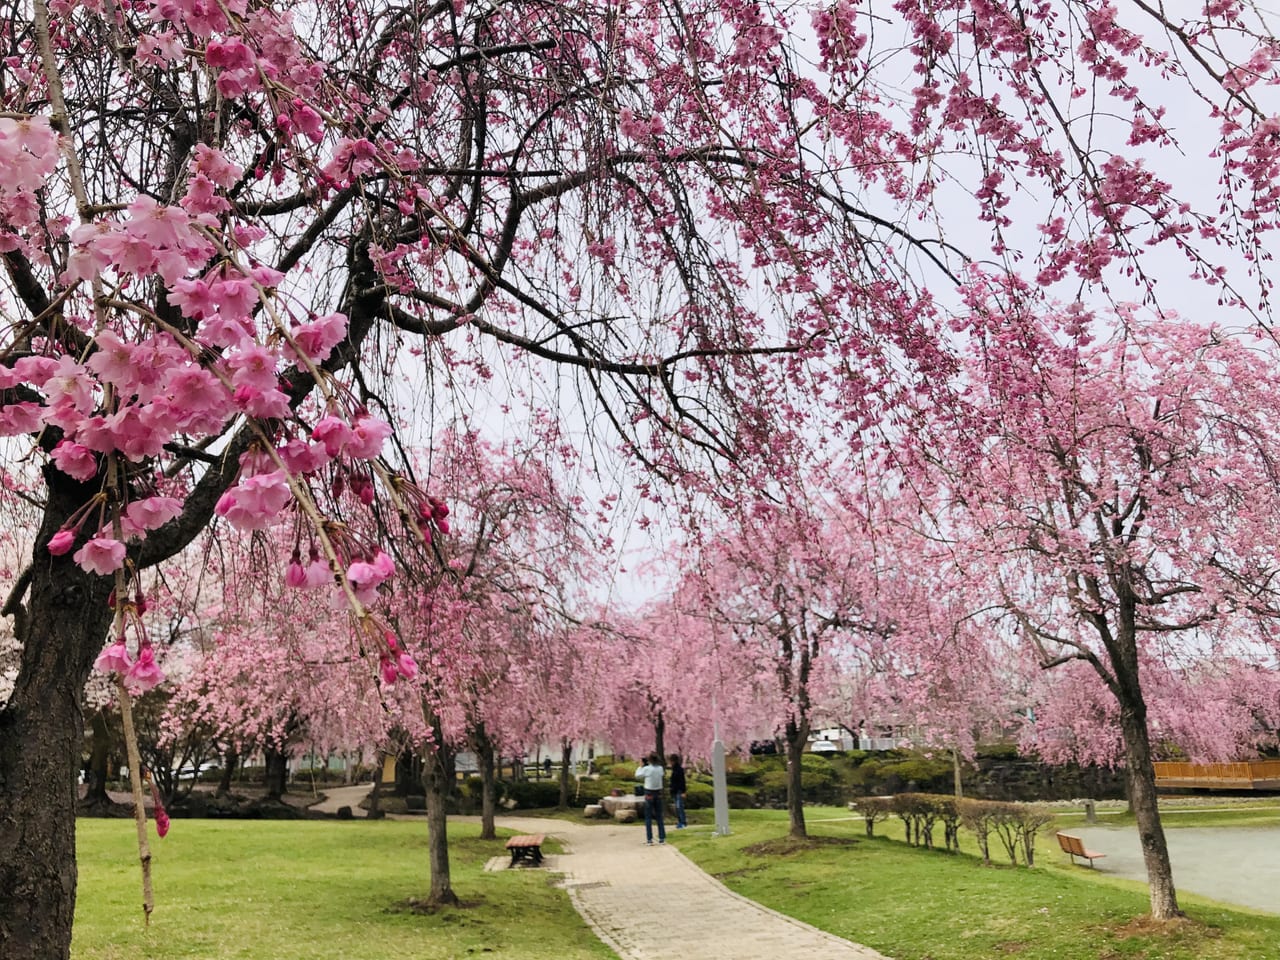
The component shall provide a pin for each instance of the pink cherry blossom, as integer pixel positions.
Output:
(144, 674)
(75, 460)
(101, 555)
(256, 501)
(333, 433)
(114, 658)
(61, 542)
(153, 512)
(367, 436)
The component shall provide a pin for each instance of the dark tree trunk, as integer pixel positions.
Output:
(375, 796)
(230, 760)
(435, 778)
(488, 784)
(565, 748)
(1140, 776)
(1141, 780)
(277, 774)
(797, 737)
(97, 770)
(660, 737)
(61, 629)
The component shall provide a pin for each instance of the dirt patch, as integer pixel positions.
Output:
(1010, 947)
(1179, 927)
(429, 907)
(789, 846)
(1181, 932)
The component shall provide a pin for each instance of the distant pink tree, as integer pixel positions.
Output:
(786, 582)
(1116, 495)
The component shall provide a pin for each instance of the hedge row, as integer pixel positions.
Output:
(1015, 825)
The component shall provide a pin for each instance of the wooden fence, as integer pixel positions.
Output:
(1243, 775)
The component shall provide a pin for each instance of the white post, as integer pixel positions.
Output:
(719, 785)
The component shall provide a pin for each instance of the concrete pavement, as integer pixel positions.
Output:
(1229, 864)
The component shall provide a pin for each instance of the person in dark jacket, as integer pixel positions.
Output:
(678, 789)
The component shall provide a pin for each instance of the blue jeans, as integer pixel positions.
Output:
(652, 809)
(679, 799)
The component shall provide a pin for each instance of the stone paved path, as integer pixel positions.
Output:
(653, 903)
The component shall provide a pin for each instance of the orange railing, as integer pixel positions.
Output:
(1242, 775)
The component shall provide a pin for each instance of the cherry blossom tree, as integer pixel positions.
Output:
(1117, 495)
(232, 232)
(785, 581)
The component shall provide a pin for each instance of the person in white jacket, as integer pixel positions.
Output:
(651, 775)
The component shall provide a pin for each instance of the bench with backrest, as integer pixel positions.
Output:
(526, 848)
(1075, 847)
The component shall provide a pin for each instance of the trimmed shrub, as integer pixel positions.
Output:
(921, 811)
(873, 810)
(1015, 824)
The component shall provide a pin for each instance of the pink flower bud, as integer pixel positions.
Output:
(407, 666)
(388, 670)
(295, 575)
(61, 542)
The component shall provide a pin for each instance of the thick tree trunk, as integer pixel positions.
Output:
(1140, 778)
(566, 747)
(435, 779)
(659, 738)
(797, 736)
(61, 629)
(230, 760)
(277, 774)
(955, 771)
(488, 785)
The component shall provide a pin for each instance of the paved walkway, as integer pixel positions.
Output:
(653, 903)
(1229, 864)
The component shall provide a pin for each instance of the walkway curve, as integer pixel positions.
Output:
(654, 903)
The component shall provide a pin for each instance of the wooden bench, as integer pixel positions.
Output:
(1075, 847)
(526, 848)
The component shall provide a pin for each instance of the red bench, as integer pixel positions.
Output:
(1075, 847)
(526, 848)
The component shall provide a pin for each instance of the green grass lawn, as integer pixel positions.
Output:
(311, 891)
(914, 904)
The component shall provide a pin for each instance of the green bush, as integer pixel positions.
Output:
(531, 794)
(747, 773)
(998, 751)
(699, 796)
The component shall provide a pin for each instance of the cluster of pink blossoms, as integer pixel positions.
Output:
(396, 663)
(140, 673)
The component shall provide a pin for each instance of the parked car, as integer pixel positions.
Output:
(823, 746)
(193, 773)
